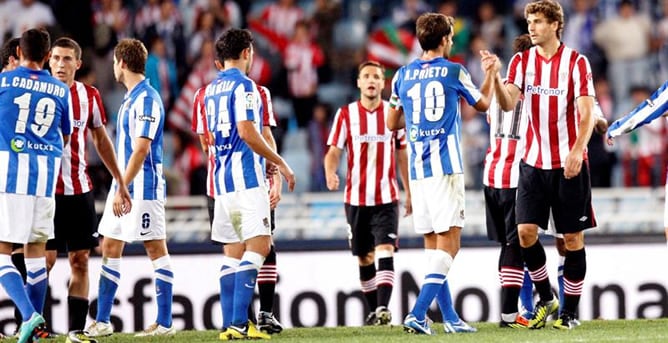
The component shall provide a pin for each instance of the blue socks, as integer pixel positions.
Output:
(244, 286)
(438, 265)
(109, 278)
(36, 282)
(444, 299)
(11, 281)
(526, 292)
(226, 279)
(164, 280)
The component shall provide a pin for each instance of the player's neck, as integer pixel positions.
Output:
(370, 103)
(238, 64)
(131, 80)
(31, 65)
(431, 54)
(549, 48)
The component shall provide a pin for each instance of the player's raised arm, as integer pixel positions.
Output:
(395, 116)
(654, 107)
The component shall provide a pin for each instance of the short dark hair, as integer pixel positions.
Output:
(35, 44)
(231, 43)
(431, 28)
(522, 42)
(552, 11)
(68, 43)
(372, 64)
(9, 50)
(133, 53)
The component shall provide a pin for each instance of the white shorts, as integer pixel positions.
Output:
(438, 203)
(242, 215)
(145, 222)
(26, 218)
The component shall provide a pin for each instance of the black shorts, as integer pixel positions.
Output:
(370, 226)
(500, 214)
(540, 191)
(75, 223)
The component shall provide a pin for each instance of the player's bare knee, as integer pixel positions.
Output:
(50, 260)
(259, 244)
(156, 248)
(574, 241)
(365, 260)
(528, 235)
(79, 262)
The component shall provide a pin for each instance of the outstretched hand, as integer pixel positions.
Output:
(490, 62)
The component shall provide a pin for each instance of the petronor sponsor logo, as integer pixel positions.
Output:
(370, 138)
(545, 91)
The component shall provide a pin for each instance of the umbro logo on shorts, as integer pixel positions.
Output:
(265, 222)
(583, 218)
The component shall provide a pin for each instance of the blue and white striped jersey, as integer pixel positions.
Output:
(232, 98)
(429, 92)
(650, 109)
(142, 115)
(34, 116)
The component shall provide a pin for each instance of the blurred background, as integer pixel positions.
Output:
(307, 52)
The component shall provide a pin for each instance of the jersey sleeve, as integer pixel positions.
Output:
(268, 116)
(147, 116)
(400, 139)
(652, 108)
(466, 88)
(98, 116)
(67, 117)
(199, 114)
(516, 71)
(395, 100)
(583, 82)
(339, 132)
(246, 102)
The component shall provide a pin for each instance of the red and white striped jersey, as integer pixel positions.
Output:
(87, 112)
(370, 146)
(281, 19)
(199, 125)
(507, 131)
(550, 89)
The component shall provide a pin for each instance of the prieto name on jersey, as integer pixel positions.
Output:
(33, 85)
(416, 133)
(426, 73)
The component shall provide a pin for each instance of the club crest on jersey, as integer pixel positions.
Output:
(563, 76)
(413, 134)
(18, 144)
(250, 100)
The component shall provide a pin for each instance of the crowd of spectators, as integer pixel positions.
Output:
(307, 52)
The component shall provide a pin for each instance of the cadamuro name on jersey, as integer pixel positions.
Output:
(33, 85)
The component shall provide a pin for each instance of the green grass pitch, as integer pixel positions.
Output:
(655, 330)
